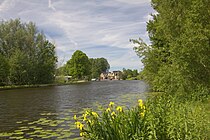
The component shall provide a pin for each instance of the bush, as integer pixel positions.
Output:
(162, 118)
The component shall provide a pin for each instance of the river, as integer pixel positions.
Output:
(46, 112)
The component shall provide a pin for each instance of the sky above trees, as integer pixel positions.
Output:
(100, 28)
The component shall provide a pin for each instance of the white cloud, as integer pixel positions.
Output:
(83, 25)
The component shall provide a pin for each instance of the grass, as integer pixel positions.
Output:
(206, 104)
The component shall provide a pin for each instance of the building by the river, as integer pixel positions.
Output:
(115, 75)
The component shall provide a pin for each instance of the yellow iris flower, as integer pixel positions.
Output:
(141, 103)
(85, 117)
(119, 108)
(82, 134)
(79, 125)
(108, 110)
(111, 104)
(113, 114)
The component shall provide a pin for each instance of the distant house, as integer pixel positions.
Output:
(115, 75)
(103, 76)
(110, 75)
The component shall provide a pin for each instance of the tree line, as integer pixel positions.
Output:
(178, 60)
(26, 56)
(128, 74)
(82, 67)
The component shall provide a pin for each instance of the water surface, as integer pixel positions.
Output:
(46, 113)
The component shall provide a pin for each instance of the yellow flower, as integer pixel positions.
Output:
(111, 104)
(85, 117)
(108, 110)
(143, 111)
(75, 117)
(119, 108)
(79, 125)
(113, 115)
(95, 114)
(82, 134)
(142, 114)
(140, 103)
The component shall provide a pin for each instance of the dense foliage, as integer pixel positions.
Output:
(26, 56)
(177, 61)
(98, 65)
(78, 66)
(128, 74)
(81, 67)
(163, 119)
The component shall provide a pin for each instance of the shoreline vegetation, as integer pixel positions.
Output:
(11, 87)
(40, 85)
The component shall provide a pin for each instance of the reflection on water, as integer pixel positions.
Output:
(47, 112)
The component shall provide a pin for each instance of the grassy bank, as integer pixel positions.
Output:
(207, 109)
(24, 86)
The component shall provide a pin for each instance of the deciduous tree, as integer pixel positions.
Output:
(30, 56)
(78, 66)
(177, 61)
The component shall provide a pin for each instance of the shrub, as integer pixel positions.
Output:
(160, 118)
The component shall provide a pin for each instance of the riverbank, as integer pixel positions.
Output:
(207, 108)
(40, 85)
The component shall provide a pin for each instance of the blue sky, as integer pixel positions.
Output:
(100, 28)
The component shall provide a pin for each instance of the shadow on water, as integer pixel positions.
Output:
(46, 113)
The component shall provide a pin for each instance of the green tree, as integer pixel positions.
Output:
(177, 61)
(135, 73)
(98, 65)
(129, 74)
(78, 66)
(31, 57)
(18, 68)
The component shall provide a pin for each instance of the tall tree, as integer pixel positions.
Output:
(78, 66)
(30, 56)
(178, 59)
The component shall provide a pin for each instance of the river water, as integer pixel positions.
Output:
(46, 113)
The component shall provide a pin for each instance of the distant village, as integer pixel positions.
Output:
(114, 75)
